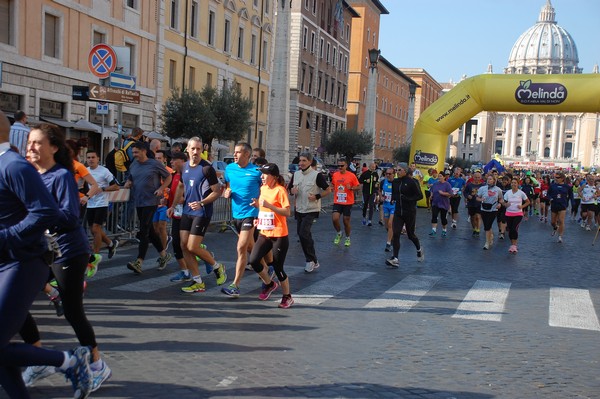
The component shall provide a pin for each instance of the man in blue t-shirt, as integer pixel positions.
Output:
(457, 182)
(243, 181)
(197, 190)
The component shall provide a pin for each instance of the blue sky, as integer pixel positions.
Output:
(452, 38)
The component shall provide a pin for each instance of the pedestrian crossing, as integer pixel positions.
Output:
(485, 300)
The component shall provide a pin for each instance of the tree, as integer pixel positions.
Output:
(348, 143)
(402, 153)
(208, 113)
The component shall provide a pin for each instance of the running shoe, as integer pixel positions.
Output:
(36, 373)
(272, 271)
(512, 249)
(364, 222)
(286, 301)
(337, 239)
(369, 223)
(113, 248)
(53, 283)
(163, 260)
(92, 267)
(266, 290)
(310, 267)
(501, 236)
(317, 265)
(194, 287)
(79, 372)
(58, 306)
(560, 240)
(388, 247)
(347, 242)
(444, 233)
(180, 277)
(99, 376)
(588, 227)
(454, 224)
(221, 274)
(249, 267)
(135, 266)
(169, 241)
(380, 223)
(432, 233)
(486, 246)
(232, 290)
(393, 262)
(475, 233)
(554, 228)
(420, 255)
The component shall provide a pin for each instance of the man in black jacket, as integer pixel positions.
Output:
(406, 191)
(370, 186)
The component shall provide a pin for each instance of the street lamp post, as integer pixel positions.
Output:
(371, 106)
(412, 88)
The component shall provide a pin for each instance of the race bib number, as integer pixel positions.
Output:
(266, 220)
(342, 197)
(178, 211)
(588, 197)
(544, 193)
(387, 197)
(455, 190)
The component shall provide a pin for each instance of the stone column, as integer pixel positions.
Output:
(576, 151)
(554, 137)
(513, 136)
(542, 136)
(525, 140)
(561, 137)
(278, 128)
(507, 135)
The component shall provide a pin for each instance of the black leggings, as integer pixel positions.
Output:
(409, 220)
(368, 203)
(70, 286)
(147, 232)
(442, 212)
(488, 219)
(20, 283)
(512, 223)
(176, 238)
(262, 247)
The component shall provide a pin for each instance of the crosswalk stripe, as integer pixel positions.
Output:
(404, 295)
(484, 301)
(316, 294)
(156, 283)
(572, 308)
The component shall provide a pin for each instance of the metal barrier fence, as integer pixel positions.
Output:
(122, 218)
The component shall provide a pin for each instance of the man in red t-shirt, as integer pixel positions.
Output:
(344, 184)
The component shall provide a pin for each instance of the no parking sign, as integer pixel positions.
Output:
(102, 60)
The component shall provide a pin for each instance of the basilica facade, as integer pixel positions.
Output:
(537, 140)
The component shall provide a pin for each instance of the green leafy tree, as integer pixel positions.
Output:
(402, 153)
(348, 143)
(209, 114)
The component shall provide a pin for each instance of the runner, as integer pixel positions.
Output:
(308, 186)
(344, 184)
(242, 182)
(197, 190)
(47, 150)
(529, 190)
(544, 200)
(149, 179)
(388, 208)
(441, 191)
(370, 185)
(405, 194)
(516, 202)
(97, 211)
(505, 185)
(559, 194)
(26, 211)
(489, 196)
(474, 206)
(457, 182)
(588, 194)
(576, 201)
(274, 208)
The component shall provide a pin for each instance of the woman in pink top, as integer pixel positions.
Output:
(515, 201)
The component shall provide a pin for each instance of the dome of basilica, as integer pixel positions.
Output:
(544, 48)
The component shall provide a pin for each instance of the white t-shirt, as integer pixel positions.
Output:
(588, 194)
(514, 200)
(103, 177)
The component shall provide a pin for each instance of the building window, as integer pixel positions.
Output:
(10, 102)
(51, 109)
(314, 7)
(312, 42)
(265, 54)
(51, 35)
(174, 14)
(267, 7)
(518, 151)
(321, 48)
(334, 58)
(226, 35)
(568, 150)
(240, 52)
(192, 81)
(302, 76)
(132, 4)
(253, 49)
(194, 19)
(130, 121)
(546, 152)
(327, 53)
(211, 28)
(172, 74)
(300, 113)
(498, 147)
(6, 21)
(99, 37)
(251, 94)
(310, 80)
(305, 38)
(262, 102)
(319, 83)
(132, 59)
(209, 79)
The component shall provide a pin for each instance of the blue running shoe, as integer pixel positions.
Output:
(231, 291)
(79, 372)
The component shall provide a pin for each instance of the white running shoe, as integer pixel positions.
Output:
(36, 373)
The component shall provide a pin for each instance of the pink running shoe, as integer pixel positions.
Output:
(266, 291)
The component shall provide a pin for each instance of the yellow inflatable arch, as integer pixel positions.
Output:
(508, 93)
